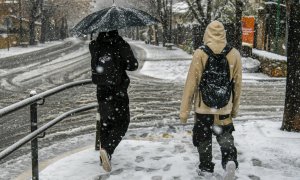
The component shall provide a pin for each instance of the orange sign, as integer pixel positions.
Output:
(248, 23)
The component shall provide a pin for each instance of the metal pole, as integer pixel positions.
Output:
(277, 26)
(34, 142)
(97, 142)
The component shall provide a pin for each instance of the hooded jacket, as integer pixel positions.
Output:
(215, 39)
(112, 42)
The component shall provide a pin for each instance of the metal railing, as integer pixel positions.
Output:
(35, 131)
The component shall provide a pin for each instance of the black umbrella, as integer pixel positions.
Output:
(113, 18)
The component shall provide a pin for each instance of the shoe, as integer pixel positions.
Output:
(230, 171)
(105, 159)
(206, 175)
(207, 167)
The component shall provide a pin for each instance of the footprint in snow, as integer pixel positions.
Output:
(167, 167)
(253, 177)
(139, 159)
(139, 168)
(161, 149)
(156, 178)
(157, 158)
(136, 148)
(179, 149)
(186, 159)
(117, 171)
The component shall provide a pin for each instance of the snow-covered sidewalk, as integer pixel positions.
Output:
(167, 153)
(264, 152)
(164, 153)
(174, 64)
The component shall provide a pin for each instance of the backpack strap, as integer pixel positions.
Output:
(208, 51)
(226, 50)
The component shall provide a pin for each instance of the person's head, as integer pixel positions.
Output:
(214, 33)
(107, 35)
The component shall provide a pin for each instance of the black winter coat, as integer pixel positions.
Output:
(121, 49)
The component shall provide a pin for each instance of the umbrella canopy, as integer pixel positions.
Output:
(113, 18)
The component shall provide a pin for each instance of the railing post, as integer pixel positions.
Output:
(97, 142)
(34, 142)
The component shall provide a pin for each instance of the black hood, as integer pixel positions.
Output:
(109, 36)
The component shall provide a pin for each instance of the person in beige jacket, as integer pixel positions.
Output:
(208, 120)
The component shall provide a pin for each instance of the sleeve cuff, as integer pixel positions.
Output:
(183, 117)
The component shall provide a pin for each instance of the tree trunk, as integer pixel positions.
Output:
(170, 22)
(155, 35)
(43, 28)
(165, 34)
(291, 117)
(198, 34)
(238, 24)
(137, 33)
(33, 17)
(21, 35)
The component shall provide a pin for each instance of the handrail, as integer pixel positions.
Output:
(42, 129)
(32, 101)
(43, 95)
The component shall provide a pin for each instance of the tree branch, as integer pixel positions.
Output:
(194, 11)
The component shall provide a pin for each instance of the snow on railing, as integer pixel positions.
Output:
(35, 132)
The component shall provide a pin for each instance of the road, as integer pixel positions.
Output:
(153, 102)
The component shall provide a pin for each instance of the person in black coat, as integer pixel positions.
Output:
(112, 99)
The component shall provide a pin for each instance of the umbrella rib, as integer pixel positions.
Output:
(122, 15)
(146, 18)
(102, 19)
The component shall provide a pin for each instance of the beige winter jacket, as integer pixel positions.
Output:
(215, 39)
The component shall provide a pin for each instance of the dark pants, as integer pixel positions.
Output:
(114, 117)
(202, 138)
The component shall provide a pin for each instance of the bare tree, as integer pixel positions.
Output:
(163, 13)
(62, 13)
(291, 117)
(204, 11)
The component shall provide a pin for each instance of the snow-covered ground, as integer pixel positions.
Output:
(174, 65)
(164, 153)
(264, 152)
(269, 55)
(21, 50)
